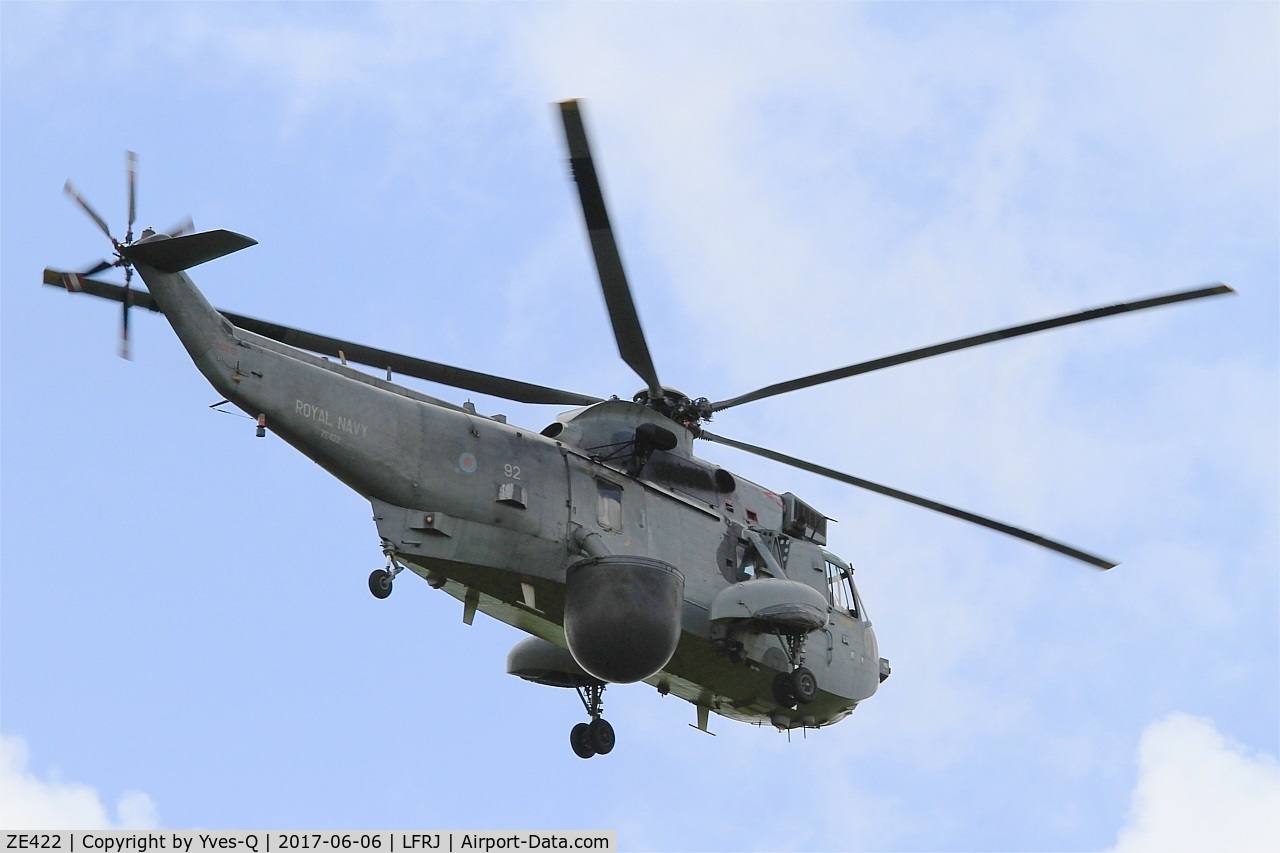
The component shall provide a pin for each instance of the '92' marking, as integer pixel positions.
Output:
(512, 471)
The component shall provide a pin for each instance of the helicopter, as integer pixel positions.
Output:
(624, 556)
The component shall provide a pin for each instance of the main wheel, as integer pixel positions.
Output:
(580, 740)
(380, 583)
(783, 693)
(804, 685)
(600, 736)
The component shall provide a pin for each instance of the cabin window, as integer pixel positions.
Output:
(609, 505)
(840, 587)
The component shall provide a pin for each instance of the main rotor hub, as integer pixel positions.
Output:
(677, 406)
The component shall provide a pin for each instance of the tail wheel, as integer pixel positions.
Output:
(380, 583)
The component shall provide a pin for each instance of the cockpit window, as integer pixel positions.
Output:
(840, 587)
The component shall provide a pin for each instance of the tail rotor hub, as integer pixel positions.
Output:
(72, 280)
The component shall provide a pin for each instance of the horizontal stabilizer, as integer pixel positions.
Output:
(174, 254)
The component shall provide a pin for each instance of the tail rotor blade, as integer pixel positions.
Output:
(186, 226)
(126, 302)
(131, 170)
(71, 191)
(103, 265)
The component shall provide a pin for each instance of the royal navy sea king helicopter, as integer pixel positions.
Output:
(624, 556)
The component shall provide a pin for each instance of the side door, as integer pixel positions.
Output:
(609, 503)
(845, 632)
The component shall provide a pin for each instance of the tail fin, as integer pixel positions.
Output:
(174, 254)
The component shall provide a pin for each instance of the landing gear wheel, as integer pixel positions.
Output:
(595, 737)
(804, 685)
(380, 583)
(600, 736)
(580, 740)
(783, 691)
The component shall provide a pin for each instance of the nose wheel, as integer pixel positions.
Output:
(596, 737)
(800, 686)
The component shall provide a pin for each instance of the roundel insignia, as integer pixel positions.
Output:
(467, 463)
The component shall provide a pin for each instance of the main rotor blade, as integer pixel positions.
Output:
(456, 377)
(70, 190)
(131, 171)
(1026, 535)
(613, 279)
(972, 341)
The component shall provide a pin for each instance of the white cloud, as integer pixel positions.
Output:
(1198, 791)
(27, 802)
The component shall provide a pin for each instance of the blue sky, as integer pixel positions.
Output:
(186, 636)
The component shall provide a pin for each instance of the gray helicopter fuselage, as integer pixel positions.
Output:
(495, 514)
(623, 555)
